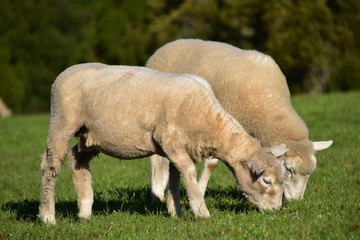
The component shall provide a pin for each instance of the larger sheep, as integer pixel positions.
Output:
(251, 87)
(133, 112)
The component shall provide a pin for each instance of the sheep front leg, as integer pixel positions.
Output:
(209, 166)
(81, 175)
(173, 201)
(188, 171)
(159, 177)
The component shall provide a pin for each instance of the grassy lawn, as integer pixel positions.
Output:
(122, 208)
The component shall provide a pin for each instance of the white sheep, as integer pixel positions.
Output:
(133, 112)
(251, 87)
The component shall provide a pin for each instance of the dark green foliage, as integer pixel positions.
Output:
(308, 40)
(315, 42)
(39, 39)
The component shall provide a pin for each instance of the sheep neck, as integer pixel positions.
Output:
(238, 148)
(212, 131)
(224, 139)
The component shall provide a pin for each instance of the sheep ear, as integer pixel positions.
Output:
(256, 165)
(278, 150)
(321, 145)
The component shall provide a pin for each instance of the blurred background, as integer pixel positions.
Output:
(315, 42)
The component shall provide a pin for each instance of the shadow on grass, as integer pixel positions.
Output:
(228, 199)
(130, 200)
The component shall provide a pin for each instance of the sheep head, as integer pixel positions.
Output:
(298, 170)
(261, 179)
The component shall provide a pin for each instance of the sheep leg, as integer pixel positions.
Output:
(159, 177)
(188, 171)
(209, 166)
(173, 201)
(81, 175)
(51, 163)
(60, 134)
(47, 190)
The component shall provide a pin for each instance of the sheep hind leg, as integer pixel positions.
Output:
(209, 166)
(60, 134)
(47, 190)
(173, 201)
(51, 163)
(81, 175)
(159, 177)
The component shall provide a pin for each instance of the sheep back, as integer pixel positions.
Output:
(249, 85)
(122, 107)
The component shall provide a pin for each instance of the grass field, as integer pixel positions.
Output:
(122, 208)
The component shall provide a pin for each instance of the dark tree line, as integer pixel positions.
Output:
(315, 42)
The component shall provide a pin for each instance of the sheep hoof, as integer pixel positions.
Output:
(157, 198)
(84, 216)
(48, 219)
(204, 214)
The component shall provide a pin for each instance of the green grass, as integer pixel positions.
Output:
(122, 208)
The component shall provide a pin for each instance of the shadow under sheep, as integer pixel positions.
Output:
(133, 201)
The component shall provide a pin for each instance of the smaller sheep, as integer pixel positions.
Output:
(134, 112)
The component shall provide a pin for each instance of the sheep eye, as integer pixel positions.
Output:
(289, 169)
(267, 181)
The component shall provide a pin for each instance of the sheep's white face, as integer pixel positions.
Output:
(264, 188)
(295, 180)
(267, 191)
(298, 171)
